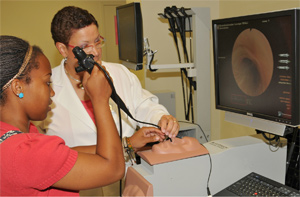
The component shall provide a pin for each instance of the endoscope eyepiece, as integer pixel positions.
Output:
(85, 62)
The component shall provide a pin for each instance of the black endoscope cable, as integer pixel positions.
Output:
(190, 102)
(198, 126)
(210, 160)
(86, 63)
(207, 186)
(118, 101)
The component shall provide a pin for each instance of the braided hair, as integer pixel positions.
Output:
(12, 53)
(67, 20)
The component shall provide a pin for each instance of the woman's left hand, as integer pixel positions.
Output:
(169, 125)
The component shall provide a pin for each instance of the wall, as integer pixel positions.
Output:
(31, 21)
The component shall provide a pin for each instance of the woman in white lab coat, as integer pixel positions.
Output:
(72, 117)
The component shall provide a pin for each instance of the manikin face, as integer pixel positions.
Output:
(87, 36)
(38, 93)
(176, 146)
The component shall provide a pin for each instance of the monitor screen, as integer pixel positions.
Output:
(130, 33)
(256, 64)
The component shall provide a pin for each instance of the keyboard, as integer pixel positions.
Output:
(256, 185)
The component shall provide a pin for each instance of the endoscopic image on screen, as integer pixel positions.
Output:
(254, 65)
(252, 62)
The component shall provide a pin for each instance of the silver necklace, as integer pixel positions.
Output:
(80, 82)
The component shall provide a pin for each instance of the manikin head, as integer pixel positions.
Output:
(176, 146)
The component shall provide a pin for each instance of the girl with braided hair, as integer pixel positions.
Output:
(34, 164)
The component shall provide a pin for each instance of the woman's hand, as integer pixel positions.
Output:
(169, 125)
(146, 135)
(96, 85)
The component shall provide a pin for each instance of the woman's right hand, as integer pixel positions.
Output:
(146, 135)
(96, 85)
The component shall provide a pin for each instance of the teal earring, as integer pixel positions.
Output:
(21, 95)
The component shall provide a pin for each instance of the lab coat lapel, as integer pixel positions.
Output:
(69, 99)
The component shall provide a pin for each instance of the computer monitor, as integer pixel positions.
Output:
(130, 35)
(257, 67)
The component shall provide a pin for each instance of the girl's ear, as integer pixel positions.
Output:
(16, 86)
(62, 49)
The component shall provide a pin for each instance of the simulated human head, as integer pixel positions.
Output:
(177, 145)
(176, 149)
(69, 19)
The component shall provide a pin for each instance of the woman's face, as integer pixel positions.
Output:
(87, 36)
(37, 93)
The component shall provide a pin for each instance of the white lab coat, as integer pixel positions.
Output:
(69, 119)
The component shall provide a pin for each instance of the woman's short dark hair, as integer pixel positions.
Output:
(12, 54)
(67, 20)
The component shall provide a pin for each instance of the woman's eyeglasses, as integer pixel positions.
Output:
(89, 48)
